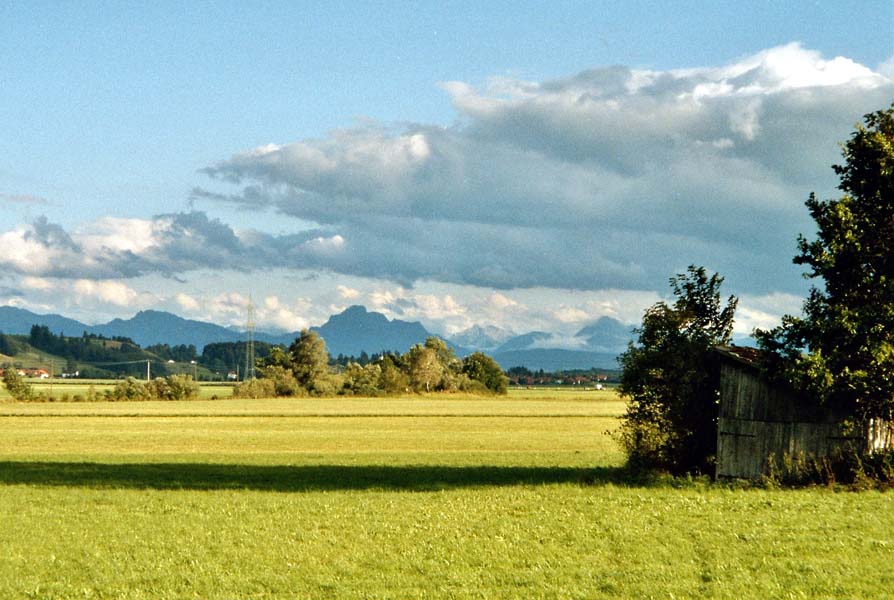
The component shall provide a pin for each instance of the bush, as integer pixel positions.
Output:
(16, 385)
(129, 390)
(327, 385)
(284, 382)
(172, 387)
(175, 387)
(255, 388)
(392, 379)
(671, 380)
(847, 467)
(362, 381)
(482, 368)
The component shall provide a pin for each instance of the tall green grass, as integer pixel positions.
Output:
(400, 498)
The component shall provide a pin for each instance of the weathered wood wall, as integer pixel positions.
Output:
(757, 419)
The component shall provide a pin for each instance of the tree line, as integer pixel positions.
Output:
(304, 370)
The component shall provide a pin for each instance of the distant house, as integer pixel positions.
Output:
(758, 419)
(38, 373)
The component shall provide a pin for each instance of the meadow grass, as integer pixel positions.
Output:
(441, 497)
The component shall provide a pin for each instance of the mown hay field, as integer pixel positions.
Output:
(440, 497)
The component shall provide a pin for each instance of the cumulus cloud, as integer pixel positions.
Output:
(347, 293)
(610, 179)
(172, 244)
(75, 293)
(186, 302)
(614, 177)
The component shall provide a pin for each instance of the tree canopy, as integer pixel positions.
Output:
(670, 377)
(429, 367)
(842, 349)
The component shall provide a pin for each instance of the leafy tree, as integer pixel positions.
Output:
(425, 370)
(670, 378)
(283, 380)
(228, 356)
(483, 368)
(362, 380)
(278, 358)
(847, 329)
(309, 360)
(8, 345)
(451, 366)
(16, 385)
(393, 380)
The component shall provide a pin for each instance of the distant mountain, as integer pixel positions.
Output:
(149, 327)
(357, 330)
(354, 331)
(484, 338)
(595, 346)
(145, 328)
(606, 335)
(555, 359)
(18, 321)
(526, 341)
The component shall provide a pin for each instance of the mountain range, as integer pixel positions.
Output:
(357, 330)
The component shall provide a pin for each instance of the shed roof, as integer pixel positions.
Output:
(750, 357)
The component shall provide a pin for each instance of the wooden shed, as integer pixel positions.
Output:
(758, 419)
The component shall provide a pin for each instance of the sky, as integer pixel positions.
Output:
(524, 165)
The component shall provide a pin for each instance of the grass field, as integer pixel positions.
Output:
(439, 497)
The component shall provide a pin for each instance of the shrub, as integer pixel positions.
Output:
(175, 387)
(362, 381)
(847, 467)
(255, 388)
(671, 380)
(393, 380)
(129, 390)
(284, 382)
(482, 368)
(172, 387)
(16, 385)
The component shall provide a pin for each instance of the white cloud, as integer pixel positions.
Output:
(765, 312)
(111, 292)
(347, 293)
(548, 204)
(187, 302)
(611, 178)
(501, 301)
(887, 68)
(37, 283)
(76, 294)
(570, 314)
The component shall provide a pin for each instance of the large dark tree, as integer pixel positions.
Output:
(670, 378)
(482, 368)
(309, 359)
(842, 348)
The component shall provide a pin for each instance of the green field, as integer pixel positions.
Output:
(411, 497)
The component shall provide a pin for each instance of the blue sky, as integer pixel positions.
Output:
(417, 158)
